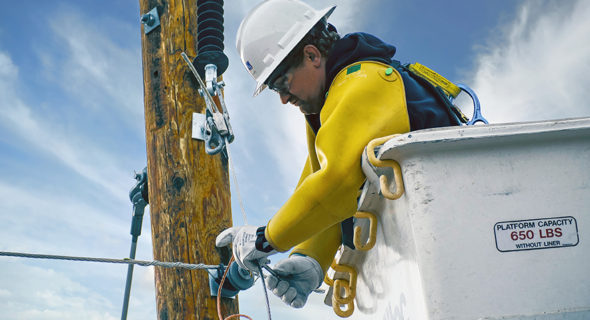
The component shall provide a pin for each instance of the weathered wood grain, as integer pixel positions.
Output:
(189, 190)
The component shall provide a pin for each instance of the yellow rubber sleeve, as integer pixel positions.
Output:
(322, 246)
(311, 165)
(362, 104)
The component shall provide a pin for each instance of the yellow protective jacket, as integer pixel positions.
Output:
(366, 100)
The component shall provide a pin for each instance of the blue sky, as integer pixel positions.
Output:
(72, 127)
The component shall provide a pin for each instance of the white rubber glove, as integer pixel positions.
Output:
(244, 246)
(298, 275)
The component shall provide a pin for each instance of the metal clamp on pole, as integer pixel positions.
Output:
(150, 20)
(237, 279)
(139, 197)
(213, 127)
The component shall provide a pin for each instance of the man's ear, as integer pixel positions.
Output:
(313, 54)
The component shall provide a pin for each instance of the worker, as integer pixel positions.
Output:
(351, 92)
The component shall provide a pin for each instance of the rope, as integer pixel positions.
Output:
(232, 259)
(233, 171)
(219, 296)
(198, 266)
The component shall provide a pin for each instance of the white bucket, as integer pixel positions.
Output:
(494, 224)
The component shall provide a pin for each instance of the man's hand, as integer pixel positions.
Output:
(248, 251)
(298, 275)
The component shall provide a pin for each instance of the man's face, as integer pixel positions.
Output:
(303, 86)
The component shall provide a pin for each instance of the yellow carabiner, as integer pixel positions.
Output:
(397, 171)
(329, 281)
(372, 231)
(341, 285)
(352, 276)
(347, 300)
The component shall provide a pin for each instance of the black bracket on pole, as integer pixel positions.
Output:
(139, 197)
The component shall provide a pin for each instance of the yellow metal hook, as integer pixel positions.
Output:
(397, 171)
(372, 231)
(347, 300)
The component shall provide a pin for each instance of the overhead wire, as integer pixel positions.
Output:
(190, 266)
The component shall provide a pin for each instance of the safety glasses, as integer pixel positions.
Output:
(278, 80)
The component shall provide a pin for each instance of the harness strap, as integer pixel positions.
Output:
(445, 88)
(435, 79)
(346, 227)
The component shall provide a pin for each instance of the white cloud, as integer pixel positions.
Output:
(41, 221)
(283, 132)
(75, 151)
(5, 293)
(41, 293)
(8, 71)
(346, 17)
(92, 67)
(46, 222)
(536, 68)
(87, 160)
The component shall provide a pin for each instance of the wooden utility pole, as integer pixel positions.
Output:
(189, 191)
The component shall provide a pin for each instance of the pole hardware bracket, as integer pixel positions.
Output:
(213, 127)
(140, 198)
(150, 20)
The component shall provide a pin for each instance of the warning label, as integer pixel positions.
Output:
(536, 234)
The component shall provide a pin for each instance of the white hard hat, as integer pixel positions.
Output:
(270, 31)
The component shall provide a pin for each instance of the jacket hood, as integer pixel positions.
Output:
(356, 47)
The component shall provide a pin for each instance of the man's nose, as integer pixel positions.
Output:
(285, 96)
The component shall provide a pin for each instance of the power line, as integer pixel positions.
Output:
(190, 266)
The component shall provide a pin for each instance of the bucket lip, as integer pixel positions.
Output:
(441, 137)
